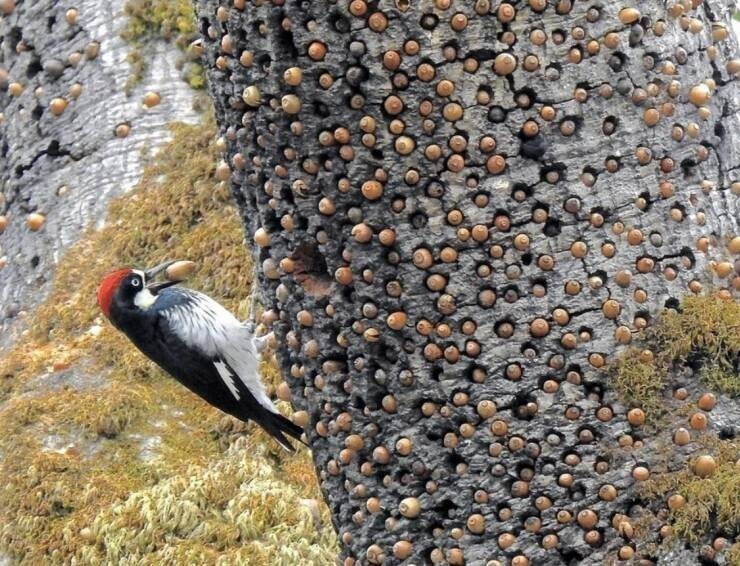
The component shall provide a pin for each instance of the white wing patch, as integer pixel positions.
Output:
(228, 377)
(205, 325)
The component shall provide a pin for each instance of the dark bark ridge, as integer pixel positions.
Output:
(463, 210)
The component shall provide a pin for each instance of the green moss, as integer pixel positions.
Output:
(639, 380)
(713, 503)
(116, 462)
(172, 20)
(721, 379)
(705, 328)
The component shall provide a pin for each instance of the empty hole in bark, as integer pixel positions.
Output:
(719, 130)
(339, 22)
(204, 25)
(37, 112)
(688, 166)
(50, 21)
(265, 62)
(54, 149)
(286, 41)
(358, 403)
(672, 303)
(526, 259)
(577, 492)
(552, 227)
(34, 67)
(429, 21)
(321, 109)
(311, 270)
(376, 153)
(15, 35)
(419, 220)
(446, 506)
(436, 372)
(727, 432)
(35, 261)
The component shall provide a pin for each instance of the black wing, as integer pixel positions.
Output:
(212, 379)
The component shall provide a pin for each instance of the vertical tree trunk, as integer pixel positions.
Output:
(462, 210)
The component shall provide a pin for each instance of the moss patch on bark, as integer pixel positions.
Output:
(171, 20)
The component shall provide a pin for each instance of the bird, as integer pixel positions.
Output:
(197, 341)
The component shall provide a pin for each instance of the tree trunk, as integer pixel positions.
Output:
(463, 211)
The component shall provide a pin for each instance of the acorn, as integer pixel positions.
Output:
(504, 64)
(397, 320)
(7, 7)
(35, 221)
(629, 15)
(700, 94)
(293, 76)
(291, 104)
(122, 130)
(476, 524)
(180, 270)
(151, 99)
(3, 223)
(252, 96)
(402, 549)
(410, 507)
(705, 466)
(57, 106)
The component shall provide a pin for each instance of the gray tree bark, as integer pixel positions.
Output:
(67, 167)
(463, 210)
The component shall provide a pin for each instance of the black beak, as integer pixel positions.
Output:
(150, 274)
(155, 288)
(156, 270)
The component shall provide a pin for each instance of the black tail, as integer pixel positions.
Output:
(278, 426)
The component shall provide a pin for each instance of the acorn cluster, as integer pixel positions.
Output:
(461, 210)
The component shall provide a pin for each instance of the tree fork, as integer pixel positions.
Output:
(463, 211)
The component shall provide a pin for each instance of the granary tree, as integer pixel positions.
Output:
(462, 213)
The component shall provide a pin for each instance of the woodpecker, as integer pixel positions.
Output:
(197, 341)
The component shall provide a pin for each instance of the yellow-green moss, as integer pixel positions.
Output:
(172, 20)
(107, 460)
(712, 503)
(705, 327)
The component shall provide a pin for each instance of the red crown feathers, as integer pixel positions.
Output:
(108, 287)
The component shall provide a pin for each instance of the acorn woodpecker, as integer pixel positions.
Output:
(197, 341)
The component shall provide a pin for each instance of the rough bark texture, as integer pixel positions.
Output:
(41, 153)
(447, 305)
